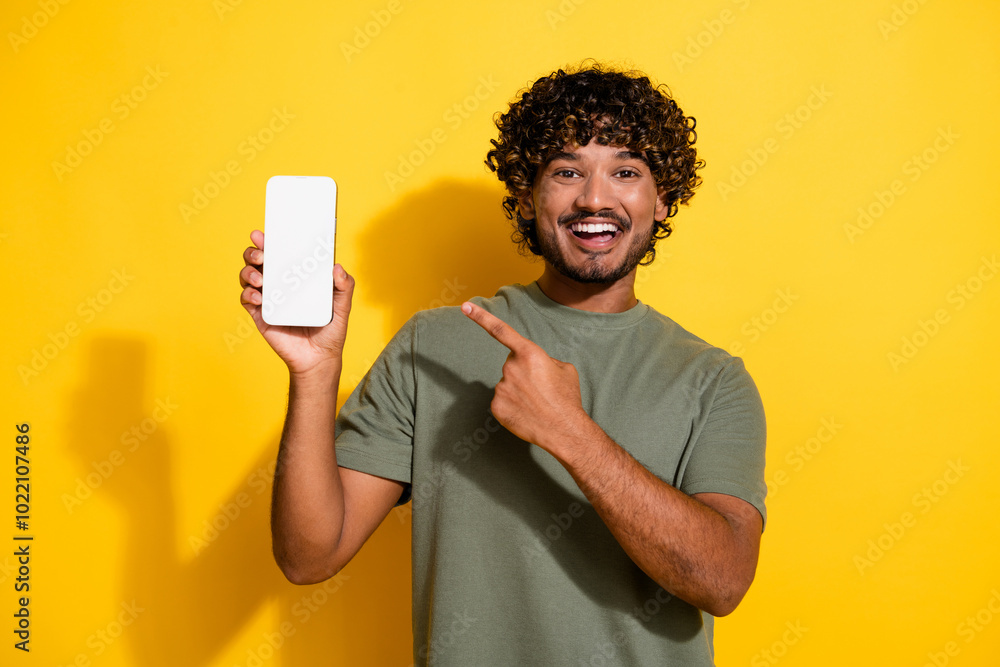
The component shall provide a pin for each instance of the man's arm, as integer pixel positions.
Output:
(702, 549)
(321, 514)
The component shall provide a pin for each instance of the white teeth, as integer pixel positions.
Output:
(593, 228)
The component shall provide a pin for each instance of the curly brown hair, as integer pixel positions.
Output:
(618, 108)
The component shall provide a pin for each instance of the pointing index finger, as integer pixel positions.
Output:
(494, 326)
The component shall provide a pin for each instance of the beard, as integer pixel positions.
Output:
(592, 270)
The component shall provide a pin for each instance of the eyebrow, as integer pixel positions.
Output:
(631, 155)
(620, 155)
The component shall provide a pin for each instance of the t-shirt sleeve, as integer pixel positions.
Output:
(728, 454)
(374, 429)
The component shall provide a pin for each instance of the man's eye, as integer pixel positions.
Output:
(565, 173)
(628, 173)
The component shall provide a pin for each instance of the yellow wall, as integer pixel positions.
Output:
(154, 410)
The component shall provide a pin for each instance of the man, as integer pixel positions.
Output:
(586, 476)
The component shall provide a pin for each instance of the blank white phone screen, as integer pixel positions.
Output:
(300, 223)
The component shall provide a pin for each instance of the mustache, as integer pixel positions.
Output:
(578, 216)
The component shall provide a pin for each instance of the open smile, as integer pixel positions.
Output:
(596, 234)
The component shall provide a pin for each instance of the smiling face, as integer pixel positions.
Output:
(594, 208)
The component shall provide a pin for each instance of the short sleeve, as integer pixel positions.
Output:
(374, 429)
(728, 454)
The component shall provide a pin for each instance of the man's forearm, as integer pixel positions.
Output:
(683, 544)
(307, 506)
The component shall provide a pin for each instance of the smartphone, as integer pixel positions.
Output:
(300, 224)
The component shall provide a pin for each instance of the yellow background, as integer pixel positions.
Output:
(886, 80)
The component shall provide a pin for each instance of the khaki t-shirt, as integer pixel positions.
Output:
(511, 564)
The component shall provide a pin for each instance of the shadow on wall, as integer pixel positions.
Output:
(191, 607)
(438, 247)
(435, 247)
(195, 602)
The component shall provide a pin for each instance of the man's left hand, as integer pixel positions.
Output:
(538, 397)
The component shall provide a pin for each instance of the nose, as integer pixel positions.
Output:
(596, 194)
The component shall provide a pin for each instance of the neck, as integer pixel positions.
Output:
(594, 297)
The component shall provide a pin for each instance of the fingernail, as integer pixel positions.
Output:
(467, 308)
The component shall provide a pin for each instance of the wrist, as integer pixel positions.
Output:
(320, 374)
(578, 436)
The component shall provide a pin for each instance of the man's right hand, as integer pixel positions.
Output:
(303, 349)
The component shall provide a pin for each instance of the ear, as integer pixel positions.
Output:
(661, 208)
(526, 207)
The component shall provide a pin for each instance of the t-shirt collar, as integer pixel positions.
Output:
(577, 317)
